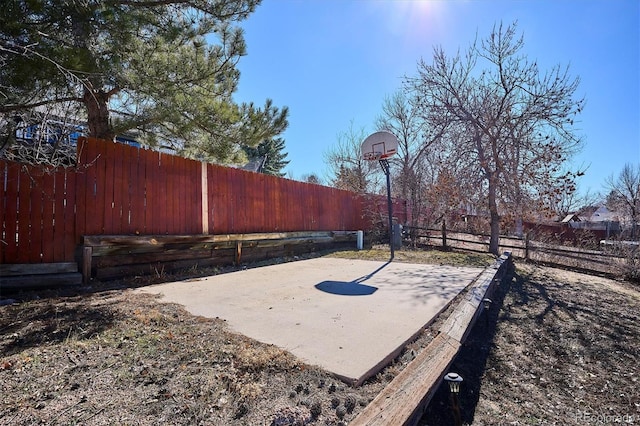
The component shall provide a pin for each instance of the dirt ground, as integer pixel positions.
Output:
(556, 348)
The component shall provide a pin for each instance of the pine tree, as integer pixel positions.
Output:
(272, 152)
(164, 69)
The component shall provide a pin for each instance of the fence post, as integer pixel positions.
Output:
(238, 252)
(87, 254)
(205, 198)
(526, 246)
(444, 234)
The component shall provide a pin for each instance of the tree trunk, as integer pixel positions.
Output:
(519, 226)
(97, 104)
(495, 217)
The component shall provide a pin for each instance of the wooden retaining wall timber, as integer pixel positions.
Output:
(41, 275)
(403, 401)
(115, 256)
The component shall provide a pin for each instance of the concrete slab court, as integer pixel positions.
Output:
(350, 317)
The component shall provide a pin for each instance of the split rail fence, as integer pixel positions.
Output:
(524, 248)
(118, 189)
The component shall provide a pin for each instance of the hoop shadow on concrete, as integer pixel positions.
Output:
(350, 288)
(344, 288)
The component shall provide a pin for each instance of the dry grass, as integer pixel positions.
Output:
(435, 257)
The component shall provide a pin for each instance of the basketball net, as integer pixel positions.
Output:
(372, 156)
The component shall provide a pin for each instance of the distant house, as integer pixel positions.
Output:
(598, 214)
(595, 222)
(572, 217)
(597, 218)
(59, 130)
(50, 130)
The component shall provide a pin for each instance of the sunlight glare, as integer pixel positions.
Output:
(416, 19)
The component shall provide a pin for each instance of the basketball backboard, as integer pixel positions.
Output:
(379, 146)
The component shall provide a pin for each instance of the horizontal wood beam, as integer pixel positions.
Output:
(397, 402)
(159, 268)
(37, 269)
(113, 256)
(403, 401)
(109, 240)
(40, 281)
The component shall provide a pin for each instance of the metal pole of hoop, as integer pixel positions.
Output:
(385, 166)
(379, 146)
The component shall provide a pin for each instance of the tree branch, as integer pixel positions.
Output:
(11, 108)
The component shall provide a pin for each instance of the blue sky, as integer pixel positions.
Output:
(333, 62)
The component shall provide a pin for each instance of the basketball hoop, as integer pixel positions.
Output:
(379, 146)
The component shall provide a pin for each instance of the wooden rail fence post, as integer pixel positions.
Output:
(238, 253)
(444, 234)
(87, 254)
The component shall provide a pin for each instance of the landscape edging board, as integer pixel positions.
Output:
(403, 401)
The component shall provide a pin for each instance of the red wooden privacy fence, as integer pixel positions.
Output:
(122, 190)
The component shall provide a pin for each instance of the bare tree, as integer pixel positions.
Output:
(416, 136)
(43, 136)
(347, 169)
(624, 194)
(563, 197)
(517, 124)
(312, 178)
